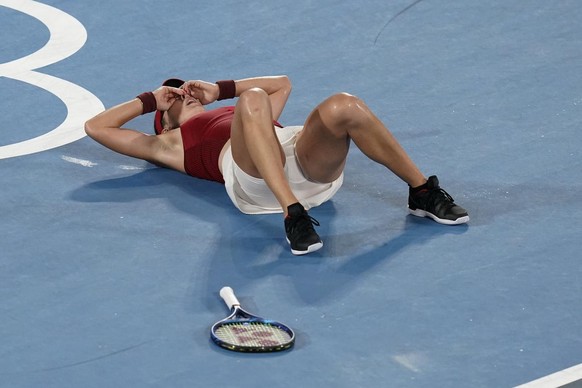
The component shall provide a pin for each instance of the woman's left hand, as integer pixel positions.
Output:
(203, 91)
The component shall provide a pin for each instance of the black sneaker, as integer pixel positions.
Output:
(432, 201)
(300, 233)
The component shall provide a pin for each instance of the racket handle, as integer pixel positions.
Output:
(227, 294)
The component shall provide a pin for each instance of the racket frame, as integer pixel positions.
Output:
(241, 316)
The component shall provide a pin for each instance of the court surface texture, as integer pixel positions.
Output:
(110, 267)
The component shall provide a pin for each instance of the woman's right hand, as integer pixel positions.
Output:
(166, 96)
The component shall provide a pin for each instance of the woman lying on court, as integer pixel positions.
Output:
(266, 168)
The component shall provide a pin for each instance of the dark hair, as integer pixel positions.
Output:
(159, 117)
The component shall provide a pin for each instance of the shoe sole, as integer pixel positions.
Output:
(311, 248)
(424, 213)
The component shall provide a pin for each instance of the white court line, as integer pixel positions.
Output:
(81, 162)
(67, 36)
(558, 379)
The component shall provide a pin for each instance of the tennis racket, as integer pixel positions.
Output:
(242, 331)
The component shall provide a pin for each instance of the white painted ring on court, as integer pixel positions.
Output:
(67, 36)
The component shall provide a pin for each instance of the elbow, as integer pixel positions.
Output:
(287, 83)
(286, 86)
(89, 129)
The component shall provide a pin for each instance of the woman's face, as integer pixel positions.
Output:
(182, 110)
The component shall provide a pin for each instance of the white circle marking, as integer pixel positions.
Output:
(67, 36)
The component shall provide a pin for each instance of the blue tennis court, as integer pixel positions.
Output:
(110, 267)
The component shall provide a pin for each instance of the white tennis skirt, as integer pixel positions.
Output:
(252, 195)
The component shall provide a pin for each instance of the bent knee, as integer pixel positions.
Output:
(254, 97)
(342, 108)
(343, 99)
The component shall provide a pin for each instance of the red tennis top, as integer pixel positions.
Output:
(203, 137)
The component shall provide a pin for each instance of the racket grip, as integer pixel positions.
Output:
(227, 294)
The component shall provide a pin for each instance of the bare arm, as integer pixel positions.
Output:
(106, 129)
(277, 87)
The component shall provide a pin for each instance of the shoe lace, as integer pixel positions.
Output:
(302, 223)
(438, 196)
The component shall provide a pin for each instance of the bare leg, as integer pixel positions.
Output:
(255, 147)
(323, 145)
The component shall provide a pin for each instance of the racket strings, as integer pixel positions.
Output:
(252, 334)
